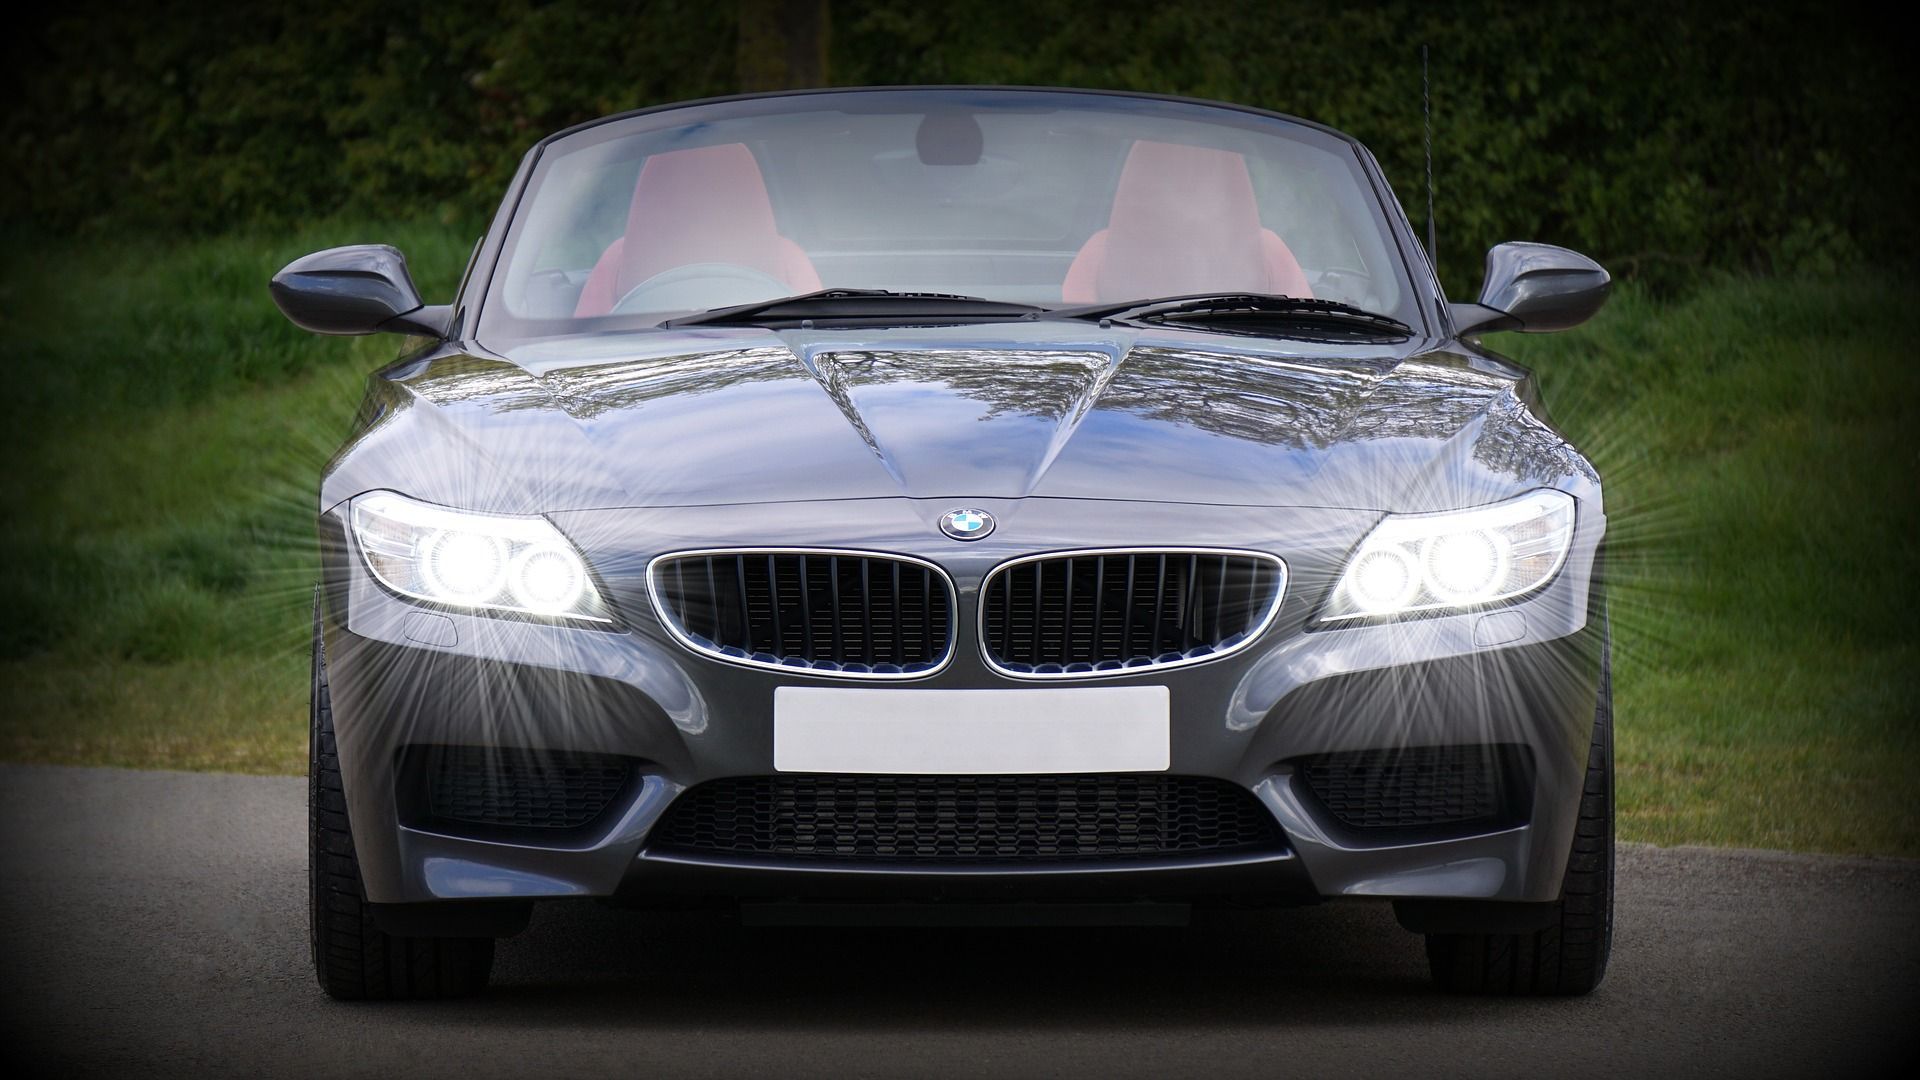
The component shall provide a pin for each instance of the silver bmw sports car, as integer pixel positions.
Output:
(956, 497)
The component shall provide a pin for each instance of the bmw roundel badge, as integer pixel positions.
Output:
(966, 524)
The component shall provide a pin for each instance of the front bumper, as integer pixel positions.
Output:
(402, 676)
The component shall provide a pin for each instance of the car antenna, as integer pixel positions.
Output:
(1426, 111)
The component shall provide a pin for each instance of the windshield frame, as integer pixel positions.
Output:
(1413, 267)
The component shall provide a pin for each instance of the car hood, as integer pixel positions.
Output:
(1051, 410)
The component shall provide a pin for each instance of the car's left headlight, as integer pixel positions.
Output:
(481, 561)
(1455, 560)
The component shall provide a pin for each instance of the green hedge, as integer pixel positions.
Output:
(1661, 138)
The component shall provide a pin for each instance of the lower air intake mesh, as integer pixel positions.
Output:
(1421, 786)
(516, 789)
(967, 818)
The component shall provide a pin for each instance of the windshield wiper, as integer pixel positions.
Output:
(860, 307)
(1249, 313)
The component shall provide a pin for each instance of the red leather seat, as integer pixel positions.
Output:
(1184, 220)
(705, 205)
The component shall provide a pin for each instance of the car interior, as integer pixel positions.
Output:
(1006, 211)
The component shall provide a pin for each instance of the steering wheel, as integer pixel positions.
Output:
(1344, 283)
(699, 287)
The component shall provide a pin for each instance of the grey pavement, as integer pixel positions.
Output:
(153, 924)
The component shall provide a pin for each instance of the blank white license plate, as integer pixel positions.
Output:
(1040, 730)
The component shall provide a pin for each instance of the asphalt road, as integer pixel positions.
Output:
(153, 923)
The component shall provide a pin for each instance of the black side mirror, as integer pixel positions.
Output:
(1534, 288)
(358, 289)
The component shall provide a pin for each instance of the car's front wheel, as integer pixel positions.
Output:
(1569, 955)
(353, 958)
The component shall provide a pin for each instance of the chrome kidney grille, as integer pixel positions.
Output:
(834, 612)
(1093, 612)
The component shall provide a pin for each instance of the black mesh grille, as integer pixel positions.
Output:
(842, 613)
(1105, 612)
(967, 818)
(1421, 786)
(516, 789)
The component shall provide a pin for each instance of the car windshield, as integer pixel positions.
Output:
(1030, 197)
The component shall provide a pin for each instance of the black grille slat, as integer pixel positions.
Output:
(824, 611)
(1190, 621)
(1421, 787)
(1220, 599)
(1066, 627)
(806, 611)
(1108, 611)
(837, 625)
(1007, 606)
(967, 818)
(1041, 583)
(926, 606)
(773, 600)
(1099, 606)
(680, 573)
(748, 602)
(713, 592)
(495, 787)
(1159, 606)
(899, 630)
(873, 591)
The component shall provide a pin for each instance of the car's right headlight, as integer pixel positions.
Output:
(480, 561)
(1455, 560)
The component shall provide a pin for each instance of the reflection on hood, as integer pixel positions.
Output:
(594, 422)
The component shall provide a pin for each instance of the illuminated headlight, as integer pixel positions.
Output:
(482, 561)
(1459, 559)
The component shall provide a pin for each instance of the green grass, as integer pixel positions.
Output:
(165, 430)
(1759, 441)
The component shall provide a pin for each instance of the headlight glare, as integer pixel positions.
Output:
(1459, 559)
(1466, 567)
(462, 566)
(548, 579)
(481, 561)
(1384, 579)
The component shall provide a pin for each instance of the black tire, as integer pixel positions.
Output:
(1568, 957)
(353, 958)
